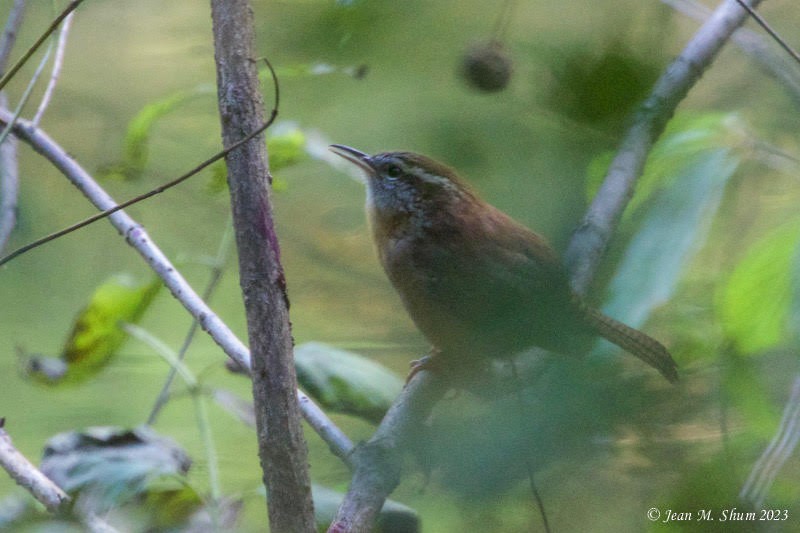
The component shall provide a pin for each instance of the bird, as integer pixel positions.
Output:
(477, 284)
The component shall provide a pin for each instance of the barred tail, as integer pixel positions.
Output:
(634, 341)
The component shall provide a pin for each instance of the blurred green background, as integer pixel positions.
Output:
(605, 451)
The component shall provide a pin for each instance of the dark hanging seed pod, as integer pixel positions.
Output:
(486, 66)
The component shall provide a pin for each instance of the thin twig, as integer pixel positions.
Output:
(196, 392)
(780, 448)
(111, 210)
(158, 190)
(521, 410)
(763, 23)
(10, 32)
(216, 274)
(26, 94)
(58, 63)
(50, 29)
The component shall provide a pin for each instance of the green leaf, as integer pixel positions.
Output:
(686, 136)
(754, 304)
(671, 231)
(137, 137)
(286, 146)
(346, 382)
(105, 468)
(96, 333)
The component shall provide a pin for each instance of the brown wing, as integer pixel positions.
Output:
(496, 288)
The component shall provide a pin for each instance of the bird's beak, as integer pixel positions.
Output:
(362, 160)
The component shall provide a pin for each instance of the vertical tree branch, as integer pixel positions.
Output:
(10, 32)
(9, 169)
(9, 184)
(591, 239)
(282, 448)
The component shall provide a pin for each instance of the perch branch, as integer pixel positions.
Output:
(377, 462)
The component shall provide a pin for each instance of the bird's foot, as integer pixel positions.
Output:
(427, 362)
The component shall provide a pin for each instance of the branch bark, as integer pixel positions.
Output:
(282, 448)
(9, 170)
(377, 462)
(9, 185)
(29, 477)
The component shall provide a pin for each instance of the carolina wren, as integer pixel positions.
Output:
(475, 282)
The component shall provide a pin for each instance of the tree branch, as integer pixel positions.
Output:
(9, 185)
(138, 238)
(9, 170)
(591, 239)
(753, 44)
(377, 462)
(282, 448)
(29, 477)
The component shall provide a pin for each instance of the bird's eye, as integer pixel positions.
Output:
(393, 171)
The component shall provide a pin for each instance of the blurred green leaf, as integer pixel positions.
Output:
(286, 146)
(137, 137)
(686, 136)
(300, 70)
(745, 389)
(754, 303)
(96, 333)
(599, 84)
(106, 467)
(346, 382)
(672, 230)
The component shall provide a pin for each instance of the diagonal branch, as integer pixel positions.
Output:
(377, 461)
(138, 238)
(591, 239)
(29, 477)
(772, 62)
